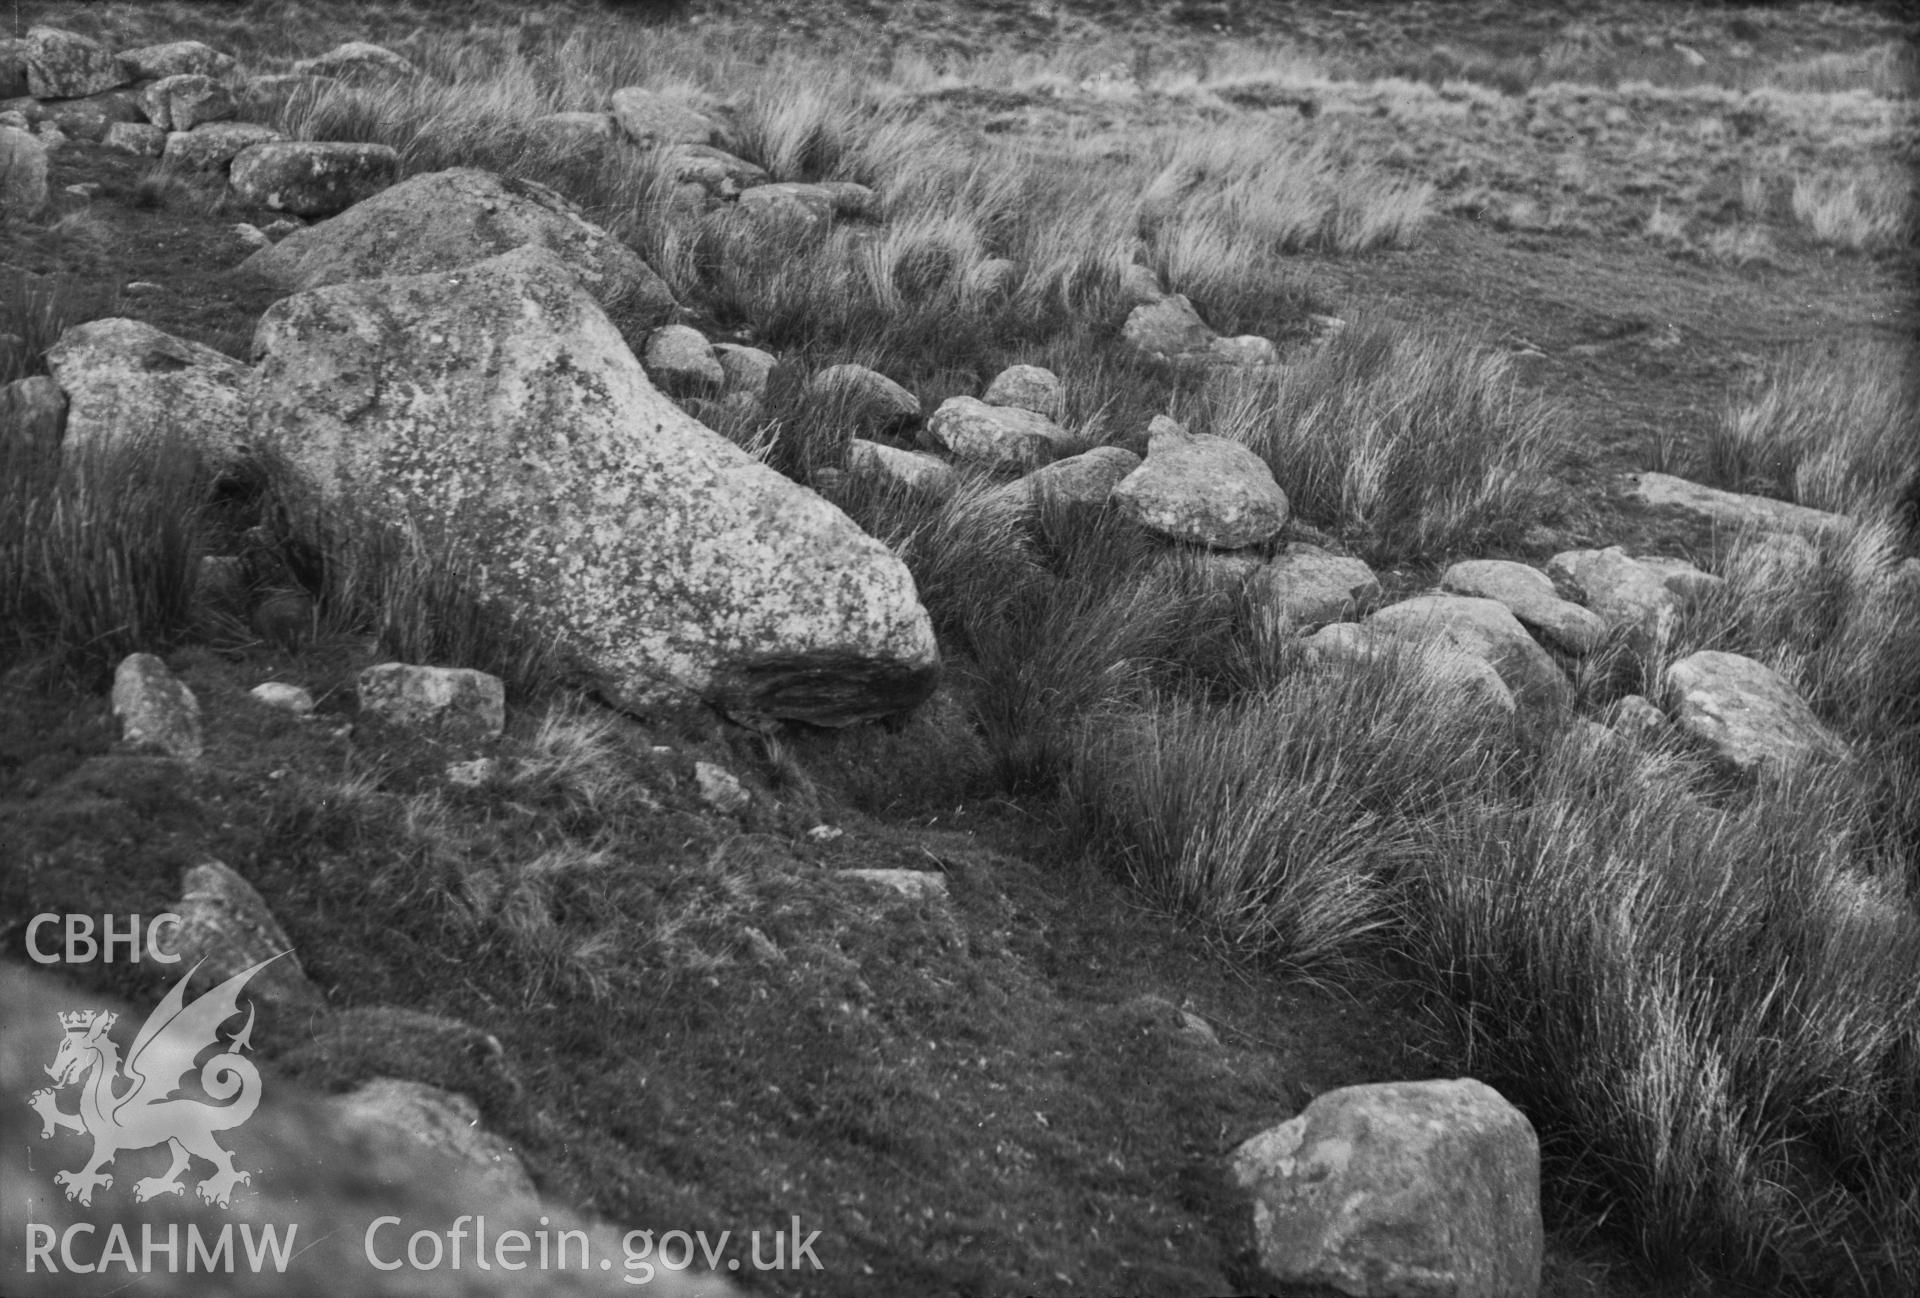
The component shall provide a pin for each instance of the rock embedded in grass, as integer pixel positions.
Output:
(720, 789)
(66, 65)
(358, 62)
(715, 170)
(1486, 629)
(497, 408)
(680, 360)
(650, 117)
(23, 172)
(1636, 715)
(126, 380)
(870, 397)
(1623, 591)
(283, 697)
(747, 370)
(1202, 489)
(457, 702)
(1746, 713)
(788, 209)
(917, 472)
(1305, 586)
(1026, 387)
(1167, 327)
(1686, 580)
(213, 145)
(1529, 594)
(183, 101)
(402, 1119)
(226, 927)
(915, 885)
(176, 58)
(444, 220)
(1728, 509)
(312, 178)
(1456, 674)
(1399, 1188)
(155, 709)
(141, 139)
(33, 411)
(997, 436)
(1083, 481)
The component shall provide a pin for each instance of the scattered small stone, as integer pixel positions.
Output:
(252, 235)
(284, 697)
(140, 287)
(916, 885)
(825, 833)
(473, 773)
(456, 700)
(155, 709)
(396, 1115)
(719, 789)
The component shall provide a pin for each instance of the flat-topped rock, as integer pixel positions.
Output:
(312, 178)
(1306, 586)
(1529, 594)
(176, 58)
(653, 117)
(443, 220)
(1485, 629)
(912, 470)
(996, 435)
(213, 145)
(1746, 713)
(1728, 508)
(359, 62)
(1202, 489)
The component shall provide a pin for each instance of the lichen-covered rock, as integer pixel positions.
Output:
(996, 435)
(448, 219)
(497, 409)
(155, 709)
(1529, 595)
(358, 62)
(680, 360)
(720, 789)
(312, 178)
(1306, 586)
(1202, 489)
(457, 702)
(1028, 387)
(1485, 629)
(910, 469)
(176, 58)
(23, 172)
(1399, 1190)
(225, 927)
(91, 118)
(138, 138)
(650, 117)
(1728, 509)
(213, 145)
(125, 379)
(715, 170)
(66, 65)
(789, 208)
(1746, 713)
(185, 100)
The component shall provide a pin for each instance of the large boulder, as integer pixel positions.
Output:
(497, 410)
(448, 219)
(66, 65)
(1746, 713)
(23, 172)
(1485, 629)
(1204, 489)
(313, 178)
(1399, 1190)
(125, 379)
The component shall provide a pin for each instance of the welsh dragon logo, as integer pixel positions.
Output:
(148, 1112)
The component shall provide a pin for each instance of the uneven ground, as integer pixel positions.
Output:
(1003, 1098)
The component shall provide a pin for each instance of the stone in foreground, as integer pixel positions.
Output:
(1308, 587)
(155, 709)
(310, 178)
(447, 219)
(1399, 1190)
(1745, 712)
(225, 927)
(497, 409)
(1485, 629)
(1204, 489)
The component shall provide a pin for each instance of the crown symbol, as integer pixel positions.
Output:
(77, 1020)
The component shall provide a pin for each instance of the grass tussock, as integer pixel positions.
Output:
(1833, 429)
(1410, 442)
